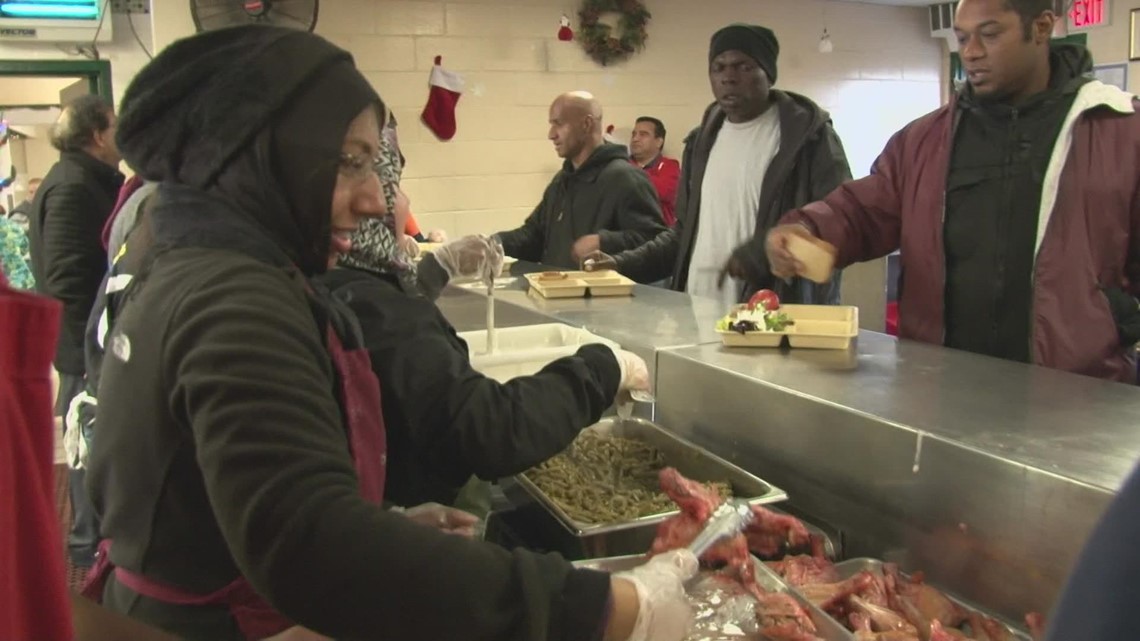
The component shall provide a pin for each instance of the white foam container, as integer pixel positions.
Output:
(523, 351)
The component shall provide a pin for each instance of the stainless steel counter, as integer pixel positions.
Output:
(984, 473)
(1079, 427)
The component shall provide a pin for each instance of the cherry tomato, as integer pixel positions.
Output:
(765, 298)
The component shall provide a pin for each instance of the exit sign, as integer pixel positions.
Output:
(1086, 14)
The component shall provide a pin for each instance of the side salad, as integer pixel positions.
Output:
(760, 314)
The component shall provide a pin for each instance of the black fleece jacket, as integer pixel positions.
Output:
(221, 451)
(607, 196)
(445, 421)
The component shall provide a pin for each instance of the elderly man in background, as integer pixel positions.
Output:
(757, 153)
(645, 150)
(598, 201)
(69, 261)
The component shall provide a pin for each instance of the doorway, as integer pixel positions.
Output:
(95, 74)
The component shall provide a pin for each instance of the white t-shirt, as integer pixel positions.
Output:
(730, 197)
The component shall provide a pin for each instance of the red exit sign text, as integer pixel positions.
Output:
(1088, 13)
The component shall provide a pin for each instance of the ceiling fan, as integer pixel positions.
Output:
(219, 14)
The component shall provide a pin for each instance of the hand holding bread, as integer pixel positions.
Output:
(793, 251)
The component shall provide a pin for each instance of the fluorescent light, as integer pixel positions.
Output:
(26, 10)
(74, 3)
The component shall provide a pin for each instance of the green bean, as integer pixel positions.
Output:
(607, 479)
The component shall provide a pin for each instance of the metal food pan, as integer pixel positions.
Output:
(827, 628)
(851, 567)
(635, 536)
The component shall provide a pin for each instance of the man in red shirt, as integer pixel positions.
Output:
(645, 146)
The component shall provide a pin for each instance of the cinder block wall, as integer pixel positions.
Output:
(885, 70)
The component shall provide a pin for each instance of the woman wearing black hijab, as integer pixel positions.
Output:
(238, 464)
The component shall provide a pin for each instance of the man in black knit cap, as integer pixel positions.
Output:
(757, 152)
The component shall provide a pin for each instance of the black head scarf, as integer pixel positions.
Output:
(254, 115)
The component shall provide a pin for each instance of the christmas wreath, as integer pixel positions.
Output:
(599, 40)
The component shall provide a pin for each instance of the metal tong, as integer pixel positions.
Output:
(727, 521)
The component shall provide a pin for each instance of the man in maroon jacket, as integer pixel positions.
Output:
(645, 150)
(1016, 206)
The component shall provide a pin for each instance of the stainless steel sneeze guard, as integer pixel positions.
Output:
(987, 475)
(625, 537)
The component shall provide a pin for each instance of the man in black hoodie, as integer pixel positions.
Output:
(757, 153)
(597, 202)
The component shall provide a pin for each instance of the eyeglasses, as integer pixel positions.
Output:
(358, 166)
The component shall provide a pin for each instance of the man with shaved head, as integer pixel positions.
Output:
(598, 201)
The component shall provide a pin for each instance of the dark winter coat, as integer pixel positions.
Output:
(810, 163)
(446, 421)
(68, 259)
(606, 196)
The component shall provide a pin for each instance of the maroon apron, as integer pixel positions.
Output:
(360, 400)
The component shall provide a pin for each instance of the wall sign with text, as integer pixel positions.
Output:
(1088, 14)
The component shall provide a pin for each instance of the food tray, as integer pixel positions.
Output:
(427, 248)
(577, 284)
(584, 540)
(816, 327)
(522, 351)
(851, 567)
(827, 628)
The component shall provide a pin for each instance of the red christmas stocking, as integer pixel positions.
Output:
(439, 114)
(565, 33)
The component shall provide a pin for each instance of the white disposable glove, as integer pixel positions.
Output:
(437, 236)
(471, 258)
(663, 613)
(634, 372)
(441, 517)
(410, 246)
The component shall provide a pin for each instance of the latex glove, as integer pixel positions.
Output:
(598, 261)
(780, 260)
(663, 613)
(471, 258)
(410, 246)
(437, 236)
(634, 372)
(585, 246)
(441, 517)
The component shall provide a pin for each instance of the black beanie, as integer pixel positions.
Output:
(189, 111)
(758, 43)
